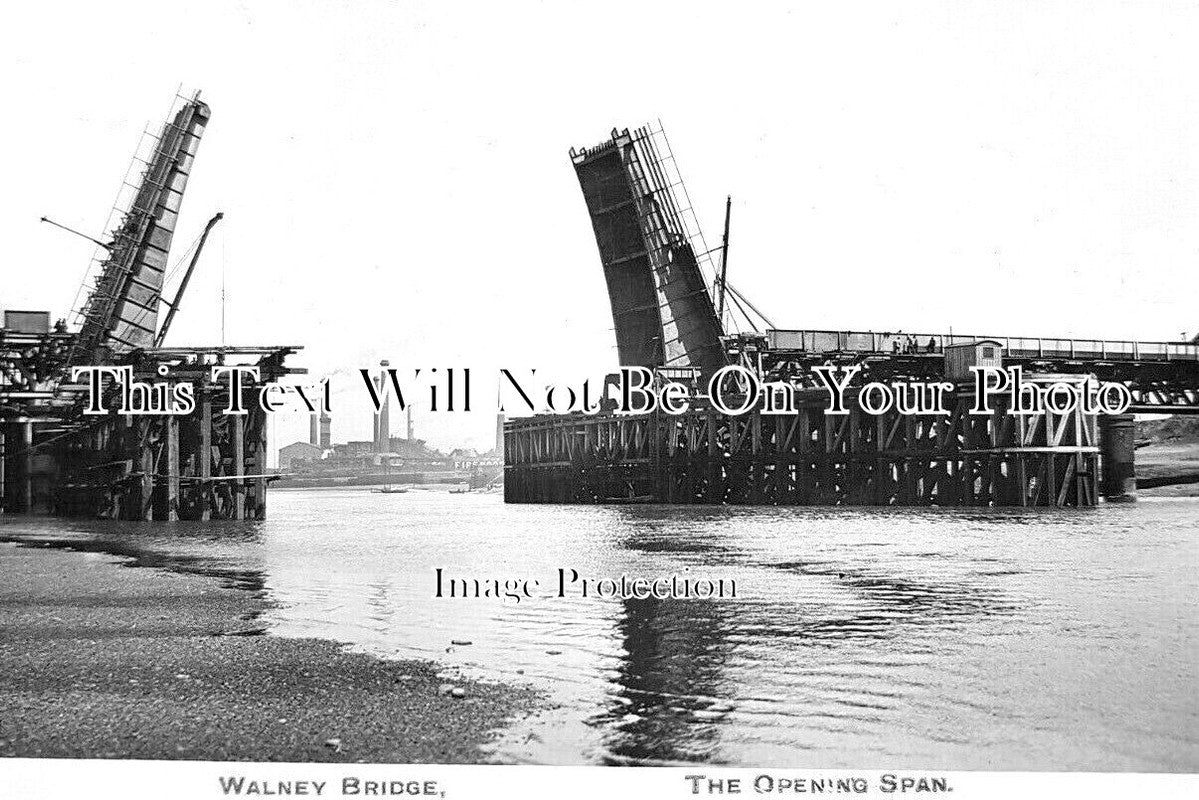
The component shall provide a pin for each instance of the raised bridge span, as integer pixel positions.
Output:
(662, 279)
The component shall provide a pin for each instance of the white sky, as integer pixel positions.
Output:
(396, 184)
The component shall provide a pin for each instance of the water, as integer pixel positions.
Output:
(969, 639)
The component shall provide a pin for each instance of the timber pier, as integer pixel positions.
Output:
(57, 459)
(809, 457)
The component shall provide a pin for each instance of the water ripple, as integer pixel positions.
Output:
(892, 637)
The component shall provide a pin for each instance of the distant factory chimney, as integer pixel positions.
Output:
(326, 426)
(499, 436)
(314, 430)
(411, 428)
(382, 427)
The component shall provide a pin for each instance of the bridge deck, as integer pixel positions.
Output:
(1015, 347)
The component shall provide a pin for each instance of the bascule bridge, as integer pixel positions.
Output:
(53, 457)
(674, 310)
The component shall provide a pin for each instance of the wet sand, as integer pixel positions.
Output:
(98, 660)
(1174, 461)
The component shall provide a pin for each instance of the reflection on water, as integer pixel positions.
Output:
(868, 637)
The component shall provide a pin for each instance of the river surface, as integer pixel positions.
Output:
(904, 638)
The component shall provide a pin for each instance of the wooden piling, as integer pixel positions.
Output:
(145, 508)
(205, 456)
(26, 503)
(239, 466)
(172, 426)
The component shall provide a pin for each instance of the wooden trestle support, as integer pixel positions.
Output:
(806, 458)
(207, 465)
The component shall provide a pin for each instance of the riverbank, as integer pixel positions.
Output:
(102, 661)
(1174, 465)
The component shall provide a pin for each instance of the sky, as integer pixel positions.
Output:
(396, 183)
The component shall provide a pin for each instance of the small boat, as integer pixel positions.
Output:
(459, 490)
(631, 500)
(387, 488)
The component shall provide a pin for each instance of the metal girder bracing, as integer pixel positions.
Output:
(805, 458)
(121, 312)
(661, 307)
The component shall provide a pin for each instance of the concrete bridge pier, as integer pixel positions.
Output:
(1117, 449)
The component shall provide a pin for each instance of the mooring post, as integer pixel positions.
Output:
(1117, 448)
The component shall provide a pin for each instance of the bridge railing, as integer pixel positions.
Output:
(818, 341)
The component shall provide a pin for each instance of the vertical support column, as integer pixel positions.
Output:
(123, 436)
(3, 460)
(1117, 447)
(909, 476)
(172, 426)
(882, 469)
(239, 466)
(145, 509)
(715, 489)
(27, 467)
(260, 468)
(803, 450)
(205, 454)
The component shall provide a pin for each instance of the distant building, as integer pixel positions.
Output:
(354, 449)
(292, 454)
(382, 422)
(404, 461)
(412, 448)
(415, 454)
(320, 432)
(326, 431)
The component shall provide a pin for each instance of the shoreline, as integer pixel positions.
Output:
(100, 659)
(1168, 469)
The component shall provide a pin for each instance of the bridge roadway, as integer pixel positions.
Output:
(1162, 376)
